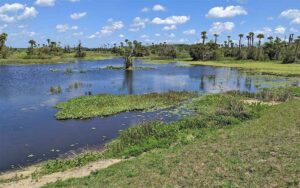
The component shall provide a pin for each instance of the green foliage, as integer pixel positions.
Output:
(106, 104)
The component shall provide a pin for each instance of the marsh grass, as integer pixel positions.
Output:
(55, 90)
(106, 104)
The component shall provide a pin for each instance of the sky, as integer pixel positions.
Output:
(99, 22)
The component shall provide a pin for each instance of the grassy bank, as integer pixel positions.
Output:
(238, 145)
(107, 104)
(268, 67)
(20, 58)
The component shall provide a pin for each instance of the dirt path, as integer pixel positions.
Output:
(72, 173)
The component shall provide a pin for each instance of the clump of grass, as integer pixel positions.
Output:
(75, 85)
(57, 165)
(107, 104)
(68, 71)
(55, 90)
(278, 94)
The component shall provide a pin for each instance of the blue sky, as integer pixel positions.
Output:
(98, 22)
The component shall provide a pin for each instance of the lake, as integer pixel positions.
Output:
(29, 132)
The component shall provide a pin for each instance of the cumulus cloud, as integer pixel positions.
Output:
(157, 34)
(189, 32)
(172, 20)
(280, 29)
(76, 16)
(292, 14)
(108, 29)
(77, 34)
(144, 36)
(73, 1)
(219, 27)
(138, 24)
(264, 30)
(158, 8)
(226, 12)
(15, 12)
(121, 36)
(45, 3)
(171, 27)
(61, 28)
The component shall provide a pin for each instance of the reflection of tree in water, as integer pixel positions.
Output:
(202, 83)
(128, 81)
(248, 83)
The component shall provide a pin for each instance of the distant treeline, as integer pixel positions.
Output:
(286, 51)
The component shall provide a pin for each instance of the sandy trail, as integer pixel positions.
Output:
(78, 172)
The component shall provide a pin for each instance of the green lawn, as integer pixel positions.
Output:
(269, 67)
(262, 152)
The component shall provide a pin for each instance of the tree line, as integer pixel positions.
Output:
(286, 51)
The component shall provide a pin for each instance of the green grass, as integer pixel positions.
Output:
(20, 58)
(106, 104)
(268, 67)
(262, 151)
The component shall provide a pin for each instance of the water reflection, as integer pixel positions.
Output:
(128, 81)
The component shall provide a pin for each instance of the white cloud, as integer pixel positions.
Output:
(121, 36)
(29, 12)
(144, 36)
(14, 7)
(172, 20)
(280, 29)
(270, 18)
(219, 27)
(145, 9)
(75, 27)
(15, 12)
(77, 34)
(292, 14)
(76, 16)
(24, 33)
(45, 3)
(62, 28)
(226, 12)
(157, 34)
(264, 30)
(138, 23)
(73, 1)
(171, 27)
(158, 8)
(190, 32)
(108, 29)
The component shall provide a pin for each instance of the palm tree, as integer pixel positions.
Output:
(260, 36)
(270, 38)
(216, 37)
(203, 36)
(240, 41)
(32, 43)
(251, 34)
(248, 40)
(48, 41)
(228, 39)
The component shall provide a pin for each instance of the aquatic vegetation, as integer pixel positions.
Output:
(55, 90)
(123, 68)
(68, 71)
(106, 104)
(75, 85)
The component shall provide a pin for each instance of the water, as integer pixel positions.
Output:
(30, 133)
